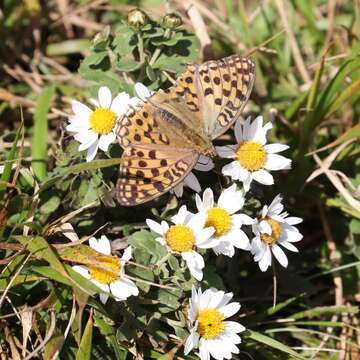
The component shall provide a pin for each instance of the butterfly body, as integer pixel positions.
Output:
(164, 138)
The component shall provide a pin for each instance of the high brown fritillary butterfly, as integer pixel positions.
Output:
(164, 138)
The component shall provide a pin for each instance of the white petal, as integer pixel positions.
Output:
(92, 150)
(224, 248)
(208, 199)
(277, 162)
(197, 222)
(192, 182)
(263, 177)
(233, 169)
(276, 206)
(265, 261)
(234, 327)
(239, 239)
(289, 246)
(264, 227)
(85, 137)
(230, 309)
(182, 216)
(227, 151)
(106, 140)
(203, 238)
(247, 129)
(195, 263)
(94, 102)
(82, 270)
(216, 299)
(123, 288)
(104, 96)
(256, 129)
(203, 351)
(280, 255)
(247, 182)
(231, 200)
(127, 255)
(275, 148)
(293, 220)
(191, 342)
(238, 131)
(102, 245)
(142, 91)
(154, 226)
(80, 109)
(120, 103)
(204, 163)
(261, 136)
(104, 297)
(242, 219)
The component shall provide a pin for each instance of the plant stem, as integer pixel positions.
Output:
(141, 47)
(157, 52)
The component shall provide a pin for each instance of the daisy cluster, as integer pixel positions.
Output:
(218, 223)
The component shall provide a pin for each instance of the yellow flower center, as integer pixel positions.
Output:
(251, 155)
(276, 230)
(210, 324)
(220, 219)
(109, 270)
(180, 238)
(102, 121)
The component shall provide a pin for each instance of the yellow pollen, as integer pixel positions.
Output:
(210, 324)
(180, 238)
(276, 230)
(220, 219)
(109, 272)
(102, 121)
(251, 155)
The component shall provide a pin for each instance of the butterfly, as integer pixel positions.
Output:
(164, 137)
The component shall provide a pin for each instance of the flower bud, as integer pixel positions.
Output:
(171, 21)
(137, 18)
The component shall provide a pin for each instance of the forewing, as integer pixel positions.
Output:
(148, 171)
(140, 126)
(218, 90)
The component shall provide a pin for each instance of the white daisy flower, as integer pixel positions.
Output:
(223, 218)
(203, 164)
(272, 229)
(253, 157)
(114, 280)
(187, 234)
(95, 129)
(209, 332)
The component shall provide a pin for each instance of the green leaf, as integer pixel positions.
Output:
(144, 240)
(322, 310)
(10, 270)
(39, 247)
(128, 65)
(75, 169)
(266, 340)
(40, 137)
(84, 352)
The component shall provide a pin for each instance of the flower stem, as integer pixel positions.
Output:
(141, 47)
(157, 52)
(275, 284)
(163, 260)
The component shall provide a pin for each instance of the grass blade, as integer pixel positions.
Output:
(40, 138)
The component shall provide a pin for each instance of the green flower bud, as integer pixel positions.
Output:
(137, 19)
(171, 21)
